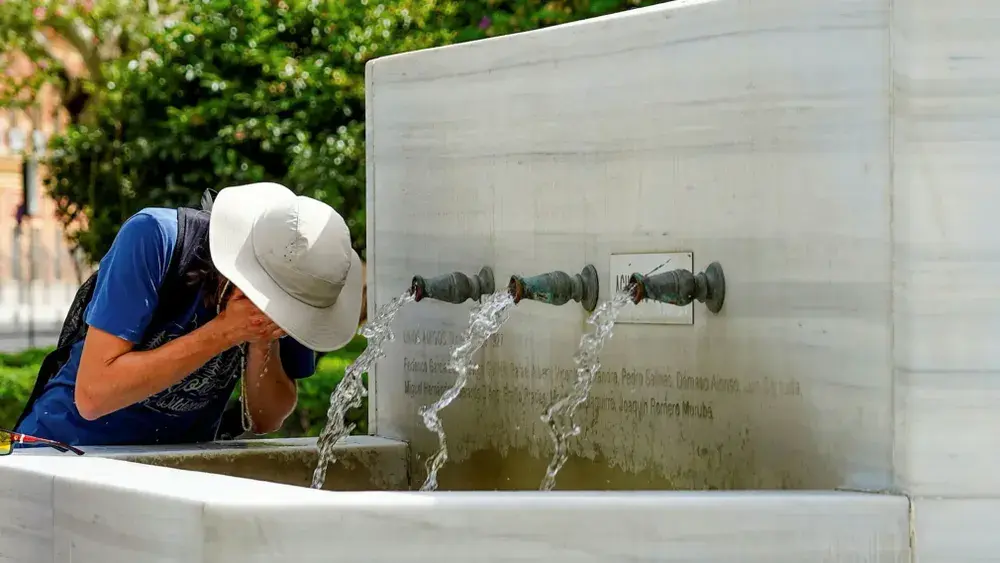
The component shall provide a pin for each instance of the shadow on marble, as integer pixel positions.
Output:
(363, 462)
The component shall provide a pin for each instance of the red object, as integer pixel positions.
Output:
(18, 438)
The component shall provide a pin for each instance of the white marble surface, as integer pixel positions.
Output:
(98, 510)
(751, 133)
(946, 86)
(224, 447)
(838, 158)
(363, 462)
(956, 530)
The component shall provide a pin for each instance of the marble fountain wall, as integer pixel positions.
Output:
(837, 158)
(752, 134)
(834, 157)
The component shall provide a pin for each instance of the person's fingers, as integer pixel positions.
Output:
(255, 313)
(277, 333)
(252, 310)
(267, 329)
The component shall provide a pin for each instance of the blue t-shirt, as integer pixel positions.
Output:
(125, 297)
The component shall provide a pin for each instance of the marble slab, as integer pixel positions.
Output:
(955, 530)
(363, 462)
(946, 267)
(99, 510)
(26, 514)
(838, 158)
(755, 134)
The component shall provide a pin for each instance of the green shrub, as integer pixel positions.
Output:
(314, 400)
(26, 358)
(477, 19)
(239, 91)
(236, 91)
(17, 377)
(18, 372)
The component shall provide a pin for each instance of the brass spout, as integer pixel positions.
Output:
(558, 288)
(455, 287)
(681, 287)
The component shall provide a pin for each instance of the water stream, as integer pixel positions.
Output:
(484, 321)
(351, 389)
(559, 416)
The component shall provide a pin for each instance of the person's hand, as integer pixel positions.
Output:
(241, 321)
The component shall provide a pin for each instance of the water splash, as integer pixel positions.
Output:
(559, 416)
(484, 321)
(351, 389)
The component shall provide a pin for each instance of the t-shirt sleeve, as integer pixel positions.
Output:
(129, 278)
(299, 362)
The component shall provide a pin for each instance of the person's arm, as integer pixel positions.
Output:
(111, 374)
(273, 397)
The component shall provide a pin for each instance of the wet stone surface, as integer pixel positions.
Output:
(364, 462)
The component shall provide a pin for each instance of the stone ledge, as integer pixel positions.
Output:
(100, 510)
(363, 462)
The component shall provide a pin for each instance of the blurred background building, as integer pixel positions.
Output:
(39, 273)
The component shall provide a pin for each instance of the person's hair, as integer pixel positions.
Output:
(202, 272)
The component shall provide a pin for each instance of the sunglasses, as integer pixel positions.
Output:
(8, 439)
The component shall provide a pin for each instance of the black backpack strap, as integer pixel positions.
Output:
(191, 246)
(193, 229)
(190, 252)
(73, 327)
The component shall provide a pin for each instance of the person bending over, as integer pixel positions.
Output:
(189, 304)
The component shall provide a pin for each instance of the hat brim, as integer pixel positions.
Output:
(234, 213)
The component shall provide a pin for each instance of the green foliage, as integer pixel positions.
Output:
(25, 358)
(21, 34)
(95, 32)
(17, 377)
(492, 18)
(236, 92)
(252, 90)
(18, 371)
(314, 400)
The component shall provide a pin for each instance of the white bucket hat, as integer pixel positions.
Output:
(292, 257)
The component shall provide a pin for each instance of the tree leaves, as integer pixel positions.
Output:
(223, 92)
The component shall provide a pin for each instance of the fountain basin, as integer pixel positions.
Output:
(363, 462)
(837, 157)
(101, 510)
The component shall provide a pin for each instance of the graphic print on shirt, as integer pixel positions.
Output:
(201, 387)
